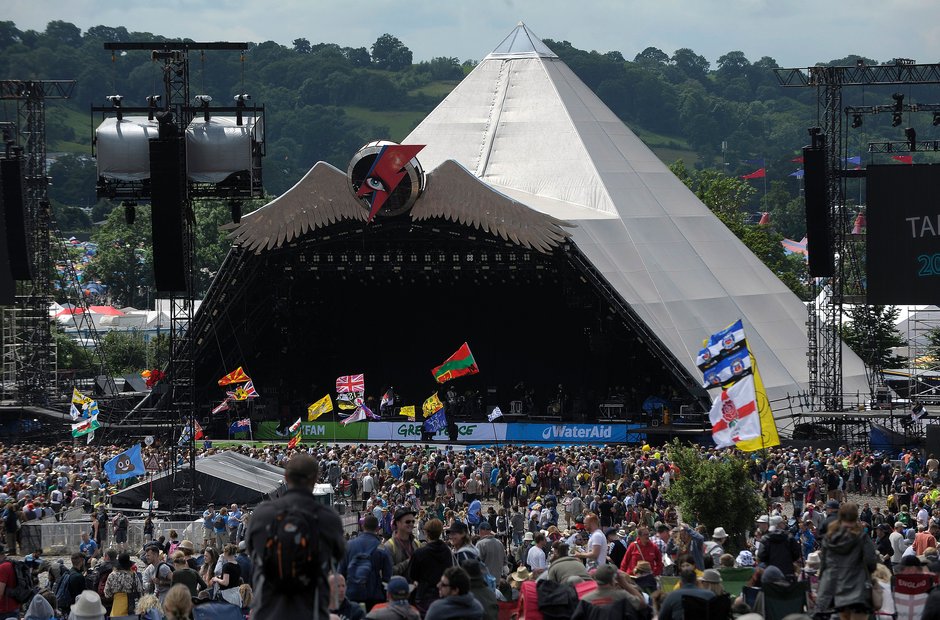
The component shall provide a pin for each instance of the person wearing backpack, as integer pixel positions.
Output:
(9, 607)
(303, 591)
(71, 584)
(366, 566)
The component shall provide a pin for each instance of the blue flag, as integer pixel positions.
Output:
(798, 174)
(436, 422)
(127, 464)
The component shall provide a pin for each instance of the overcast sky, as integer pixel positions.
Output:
(797, 33)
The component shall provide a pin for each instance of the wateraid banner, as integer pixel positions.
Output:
(566, 433)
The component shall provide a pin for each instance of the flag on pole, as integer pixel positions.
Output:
(90, 409)
(408, 411)
(236, 376)
(495, 414)
(388, 398)
(90, 437)
(797, 160)
(904, 159)
(350, 383)
(918, 411)
(74, 412)
(798, 174)
(457, 365)
(768, 426)
(293, 427)
(436, 422)
(127, 464)
(244, 392)
(199, 433)
(223, 406)
(86, 426)
(358, 416)
(324, 405)
(240, 425)
(294, 440)
(432, 405)
(734, 415)
(760, 173)
(78, 398)
(349, 400)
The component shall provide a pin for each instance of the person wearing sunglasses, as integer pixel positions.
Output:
(455, 601)
(402, 544)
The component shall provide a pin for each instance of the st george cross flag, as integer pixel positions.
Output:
(236, 376)
(734, 415)
(432, 405)
(223, 406)
(350, 383)
(436, 422)
(457, 365)
(495, 414)
(85, 426)
(324, 405)
(127, 464)
(293, 427)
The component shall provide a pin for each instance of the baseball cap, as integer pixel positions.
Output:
(611, 531)
(397, 586)
(832, 505)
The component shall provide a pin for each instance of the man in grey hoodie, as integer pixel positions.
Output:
(456, 602)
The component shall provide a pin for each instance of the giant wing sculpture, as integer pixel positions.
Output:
(454, 193)
(320, 198)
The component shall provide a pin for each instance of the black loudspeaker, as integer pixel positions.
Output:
(14, 216)
(7, 284)
(933, 439)
(167, 197)
(818, 229)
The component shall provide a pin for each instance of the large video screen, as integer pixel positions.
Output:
(903, 215)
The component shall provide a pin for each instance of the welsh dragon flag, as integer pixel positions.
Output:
(457, 365)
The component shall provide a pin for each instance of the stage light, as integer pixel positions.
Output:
(152, 102)
(896, 116)
(239, 106)
(204, 101)
(856, 121)
(116, 104)
(911, 134)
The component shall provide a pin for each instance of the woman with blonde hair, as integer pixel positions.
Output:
(848, 558)
(149, 608)
(178, 604)
(882, 578)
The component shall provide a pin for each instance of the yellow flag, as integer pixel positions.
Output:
(78, 398)
(407, 411)
(768, 427)
(324, 405)
(432, 405)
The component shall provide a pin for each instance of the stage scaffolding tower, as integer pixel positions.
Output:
(824, 319)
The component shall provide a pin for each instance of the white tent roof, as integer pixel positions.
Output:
(525, 124)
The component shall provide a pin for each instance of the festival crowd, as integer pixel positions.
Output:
(573, 532)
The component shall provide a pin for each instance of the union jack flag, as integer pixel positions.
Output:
(244, 392)
(350, 383)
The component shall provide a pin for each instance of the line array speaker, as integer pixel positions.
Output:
(818, 228)
(167, 198)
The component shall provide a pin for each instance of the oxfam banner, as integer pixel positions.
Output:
(405, 431)
(317, 431)
(566, 433)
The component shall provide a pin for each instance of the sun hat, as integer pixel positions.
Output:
(88, 605)
(710, 575)
(522, 574)
(745, 559)
(529, 536)
(719, 533)
(642, 568)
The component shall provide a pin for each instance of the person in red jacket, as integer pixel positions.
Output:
(640, 550)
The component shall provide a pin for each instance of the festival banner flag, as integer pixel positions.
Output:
(856, 159)
(432, 405)
(127, 464)
(324, 405)
(358, 416)
(349, 400)
(457, 365)
(223, 406)
(85, 426)
(728, 368)
(904, 159)
(760, 173)
(199, 433)
(78, 398)
(74, 412)
(293, 427)
(495, 414)
(294, 441)
(768, 426)
(350, 383)
(918, 411)
(797, 160)
(755, 162)
(90, 409)
(388, 398)
(734, 415)
(408, 411)
(798, 174)
(90, 437)
(236, 376)
(436, 422)
(240, 425)
(720, 344)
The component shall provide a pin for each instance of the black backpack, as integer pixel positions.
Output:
(290, 556)
(25, 588)
(361, 575)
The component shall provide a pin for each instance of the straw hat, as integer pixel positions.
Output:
(522, 574)
(642, 568)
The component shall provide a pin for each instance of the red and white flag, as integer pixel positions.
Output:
(350, 383)
(734, 415)
(223, 406)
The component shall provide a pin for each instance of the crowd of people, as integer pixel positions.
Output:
(578, 532)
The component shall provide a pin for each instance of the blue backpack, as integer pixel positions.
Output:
(361, 576)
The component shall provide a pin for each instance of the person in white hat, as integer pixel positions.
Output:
(87, 606)
(716, 546)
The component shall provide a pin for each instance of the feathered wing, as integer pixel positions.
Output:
(319, 199)
(454, 193)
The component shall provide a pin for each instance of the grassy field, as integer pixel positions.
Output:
(399, 122)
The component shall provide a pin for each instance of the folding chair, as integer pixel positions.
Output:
(718, 608)
(750, 595)
(910, 593)
(733, 580)
(780, 600)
